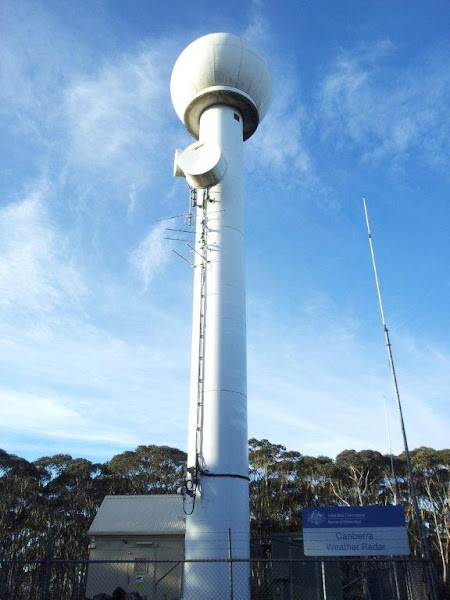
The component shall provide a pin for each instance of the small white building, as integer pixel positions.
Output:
(141, 529)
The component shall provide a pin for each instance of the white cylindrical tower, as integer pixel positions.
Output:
(220, 90)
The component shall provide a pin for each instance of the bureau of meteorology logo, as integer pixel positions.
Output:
(316, 517)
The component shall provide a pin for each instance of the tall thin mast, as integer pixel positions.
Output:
(420, 527)
(394, 479)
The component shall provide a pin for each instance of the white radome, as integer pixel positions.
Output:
(220, 68)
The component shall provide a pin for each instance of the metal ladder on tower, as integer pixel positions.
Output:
(203, 264)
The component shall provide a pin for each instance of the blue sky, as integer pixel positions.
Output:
(95, 309)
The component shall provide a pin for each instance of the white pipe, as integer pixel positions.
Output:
(222, 499)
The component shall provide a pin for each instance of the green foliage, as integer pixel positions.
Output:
(61, 494)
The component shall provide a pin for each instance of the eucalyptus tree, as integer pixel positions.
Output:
(357, 476)
(432, 475)
(264, 459)
(21, 483)
(314, 474)
(146, 470)
(59, 495)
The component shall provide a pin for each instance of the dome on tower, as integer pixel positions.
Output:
(221, 68)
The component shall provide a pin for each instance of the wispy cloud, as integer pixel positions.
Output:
(151, 255)
(388, 112)
(322, 389)
(80, 353)
(56, 417)
(120, 119)
(34, 70)
(37, 272)
(72, 380)
(280, 140)
(257, 30)
(423, 370)
(32, 412)
(100, 128)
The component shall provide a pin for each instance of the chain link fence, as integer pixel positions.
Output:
(261, 579)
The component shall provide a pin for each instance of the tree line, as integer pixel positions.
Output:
(61, 494)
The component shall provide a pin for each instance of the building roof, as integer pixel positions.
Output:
(140, 515)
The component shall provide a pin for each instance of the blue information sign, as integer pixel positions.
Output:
(355, 531)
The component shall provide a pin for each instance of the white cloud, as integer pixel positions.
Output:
(74, 381)
(319, 382)
(38, 57)
(36, 270)
(19, 410)
(119, 115)
(121, 128)
(385, 111)
(100, 128)
(55, 417)
(280, 144)
(258, 29)
(151, 256)
(423, 371)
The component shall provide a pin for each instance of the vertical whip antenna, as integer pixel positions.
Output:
(420, 527)
(391, 457)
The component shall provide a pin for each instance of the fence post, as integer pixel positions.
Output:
(48, 566)
(4, 567)
(291, 574)
(230, 562)
(324, 582)
(397, 587)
